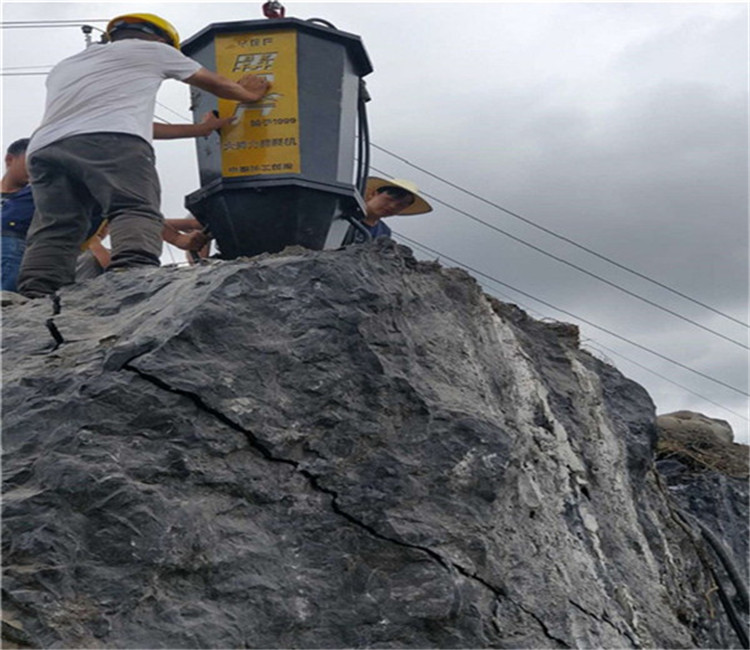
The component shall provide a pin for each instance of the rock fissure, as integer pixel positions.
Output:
(160, 383)
(314, 482)
(543, 626)
(605, 619)
(497, 592)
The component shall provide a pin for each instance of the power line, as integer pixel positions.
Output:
(559, 236)
(583, 320)
(582, 270)
(58, 21)
(165, 107)
(35, 24)
(28, 67)
(79, 25)
(653, 372)
(593, 341)
(500, 293)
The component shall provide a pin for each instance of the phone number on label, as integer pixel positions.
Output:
(274, 120)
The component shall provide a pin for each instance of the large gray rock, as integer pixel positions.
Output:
(330, 449)
(689, 424)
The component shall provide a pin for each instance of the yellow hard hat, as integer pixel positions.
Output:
(157, 26)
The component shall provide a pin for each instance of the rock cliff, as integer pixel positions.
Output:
(332, 449)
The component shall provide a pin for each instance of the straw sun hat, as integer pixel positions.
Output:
(420, 206)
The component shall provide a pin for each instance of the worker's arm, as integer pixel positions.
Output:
(191, 241)
(248, 89)
(206, 126)
(99, 252)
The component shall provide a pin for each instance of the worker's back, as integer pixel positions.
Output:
(108, 88)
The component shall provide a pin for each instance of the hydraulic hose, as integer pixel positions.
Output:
(363, 145)
(321, 21)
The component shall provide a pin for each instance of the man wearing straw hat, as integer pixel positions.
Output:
(388, 198)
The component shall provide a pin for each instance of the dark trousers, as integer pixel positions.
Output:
(13, 248)
(73, 178)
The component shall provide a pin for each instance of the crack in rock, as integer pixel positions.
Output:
(544, 628)
(498, 592)
(605, 619)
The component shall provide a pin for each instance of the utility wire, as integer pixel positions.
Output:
(34, 24)
(165, 107)
(594, 343)
(497, 291)
(56, 21)
(558, 235)
(597, 343)
(28, 67)
(582, 270)
(6, 26)
(583, 320)
(665, 378)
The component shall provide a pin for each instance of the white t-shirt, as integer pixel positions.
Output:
(109, 88)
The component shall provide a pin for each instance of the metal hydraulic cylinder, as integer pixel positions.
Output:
(283, 173)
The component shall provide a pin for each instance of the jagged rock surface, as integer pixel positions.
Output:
(330, 449)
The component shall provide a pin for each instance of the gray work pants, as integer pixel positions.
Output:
(73, 178)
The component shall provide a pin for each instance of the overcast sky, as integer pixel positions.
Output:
(623, 127)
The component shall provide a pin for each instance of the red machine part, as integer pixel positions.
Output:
(273, 9)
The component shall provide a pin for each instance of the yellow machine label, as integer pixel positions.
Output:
(265, 138)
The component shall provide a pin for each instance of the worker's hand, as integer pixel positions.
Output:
(211, 123)
(256, 85)
(192, 241)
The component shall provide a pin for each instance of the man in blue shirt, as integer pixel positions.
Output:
(17, 211)
(388, 198)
